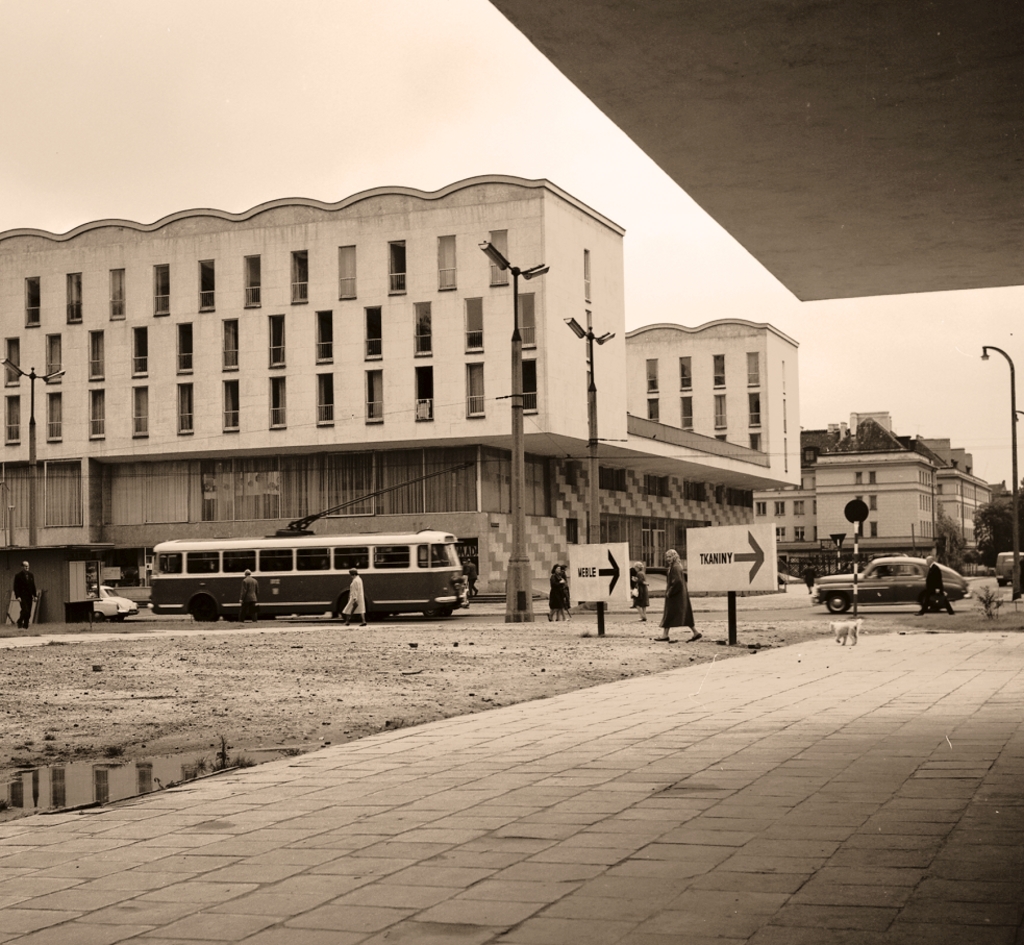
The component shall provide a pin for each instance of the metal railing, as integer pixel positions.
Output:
(423, 345)
(530, 402)
(475, 406)
(374, 347)
(184, 362)
(117, 308)
(252, 296)
(277, 416)
(206, 300)
(324, 413)
(324, 350)
(397, 282)
(95, 369)
(140, 426)
(498, 276)
(425, 408)
(375, 410)
(474, 340)
(54, 430)
(230, 358)
(277, 355)
(529, 335)
(97, 427)
(230, 420)
(74, 312)
(161, 305)
(12, 433)
(300, 292)
(185, 421)
(446, 278)
(347, 287)
(32, 315)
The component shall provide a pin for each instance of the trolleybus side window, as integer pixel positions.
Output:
(391, 556)
(203, 562)
(276, 559)
(347, 558)
(169, 564)
(443, 556)
(235, 562)
(313, 559)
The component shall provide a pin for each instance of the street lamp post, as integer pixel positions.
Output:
(519, 580)
(593, 492)
(1013, 449)
(32, 466)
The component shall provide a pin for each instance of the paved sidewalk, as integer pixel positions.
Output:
(811, 794)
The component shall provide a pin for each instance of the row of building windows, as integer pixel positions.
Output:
(324, 352)
(721, 414)
(252, 280)
(717, 372)
(325, 403)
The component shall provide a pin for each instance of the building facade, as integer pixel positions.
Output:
(904, 482)
(220, 375)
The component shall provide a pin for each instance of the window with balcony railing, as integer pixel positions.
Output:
(374, 341)
(475, 400)
(186, 409)
(324, 399)
(425, 408)
(12, 349)
(324, 337)
(474, 324)
(140, 411)
(446, 263)
(185, 348)
(278, 404)
(530, 386)
(229, 351)
(54, 417)
(97, 414)
(423, 330)
(276, 323)
(231, 406)
(74, 284)
(162, 290)
(96, 350)
(755, 409)
(499, 240)
(753, 369)
(12, 420)
(719, 370)
(252, 281)
(140, 351)
(300, 276)
(346, 272)
(720, 415)
(54, 356)
(527, 319)
(117, 307)
(396, 267)
(374, 396)
(32, 301)
(207, 285)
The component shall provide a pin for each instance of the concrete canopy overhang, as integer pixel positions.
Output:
(854, 147)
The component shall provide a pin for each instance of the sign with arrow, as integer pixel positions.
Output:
(732, 558)
(599, 573)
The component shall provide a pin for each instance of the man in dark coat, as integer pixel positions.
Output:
(249, 597)
(678, 612)
(934, 594)
(24, 590)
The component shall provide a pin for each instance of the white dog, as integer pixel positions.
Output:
(844, 629)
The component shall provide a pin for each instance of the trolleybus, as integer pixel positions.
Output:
(309, 574)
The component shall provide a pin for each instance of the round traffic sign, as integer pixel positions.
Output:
(856, 510)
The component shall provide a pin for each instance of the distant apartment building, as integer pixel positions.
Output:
(903, 481)
(225, 374)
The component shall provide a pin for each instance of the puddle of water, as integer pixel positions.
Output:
(84, 783)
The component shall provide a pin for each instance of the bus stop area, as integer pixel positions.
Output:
(812, 793)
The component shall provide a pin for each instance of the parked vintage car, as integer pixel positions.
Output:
(108, 606)
(885, 581)
(1004, 568)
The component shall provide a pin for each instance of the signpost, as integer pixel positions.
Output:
(856, 511)
(600, 574)
(732, 558)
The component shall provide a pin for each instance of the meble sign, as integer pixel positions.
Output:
(599, 572)
(731, 558)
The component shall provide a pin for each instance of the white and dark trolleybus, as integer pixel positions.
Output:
(417, 572)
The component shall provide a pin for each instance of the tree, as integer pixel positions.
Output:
(993, 530)
(949, 541)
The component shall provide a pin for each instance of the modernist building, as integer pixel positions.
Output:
(904, 481)
(224, 374)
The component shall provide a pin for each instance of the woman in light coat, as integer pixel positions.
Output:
(678, 612)
(356, 600)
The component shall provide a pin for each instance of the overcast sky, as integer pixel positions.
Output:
(138, 108)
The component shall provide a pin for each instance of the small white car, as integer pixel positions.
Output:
(108, 606)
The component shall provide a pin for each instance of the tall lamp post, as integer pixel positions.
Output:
(32, 467)
(594, 494)
(519, 580)
(1013, 449)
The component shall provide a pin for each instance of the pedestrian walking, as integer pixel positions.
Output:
(558, 596)
(25, 591)
(248, 598)
(678, 612)
(809, 577)
(638, 589)
(934, 594)
(356, 604)
(469, 570)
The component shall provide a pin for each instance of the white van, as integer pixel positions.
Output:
(1004, 568)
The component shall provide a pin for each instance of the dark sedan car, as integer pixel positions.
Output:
(885, 581)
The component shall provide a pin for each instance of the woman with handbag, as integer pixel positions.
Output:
(638, 589)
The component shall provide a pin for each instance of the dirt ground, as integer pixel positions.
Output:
(154, 687)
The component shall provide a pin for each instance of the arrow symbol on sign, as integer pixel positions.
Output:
(757, 556)
(614, 571)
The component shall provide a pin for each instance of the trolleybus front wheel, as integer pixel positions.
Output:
(203, 609)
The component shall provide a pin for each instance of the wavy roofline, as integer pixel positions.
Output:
(537, 184)
(718, 321)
